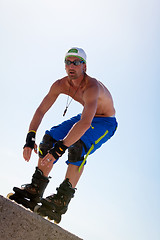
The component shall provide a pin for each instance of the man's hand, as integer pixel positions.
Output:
(54, 153)
(46, 164)
(30, 144)
(27, 151)
(47, 160)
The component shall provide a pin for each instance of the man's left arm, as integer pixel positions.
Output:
(90, 106)
(77, 131)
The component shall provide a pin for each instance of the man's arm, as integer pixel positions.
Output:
(45, 105)
(90, 106)
(90, 98)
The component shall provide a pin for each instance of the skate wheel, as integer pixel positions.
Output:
(57, 221)
(57, 218)
(9, 195)
(36, 208)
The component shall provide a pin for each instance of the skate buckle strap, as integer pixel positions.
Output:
(91, 149)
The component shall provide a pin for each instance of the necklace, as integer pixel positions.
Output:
(69, 102)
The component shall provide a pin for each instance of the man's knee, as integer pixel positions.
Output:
(75, 152)
(46, 145)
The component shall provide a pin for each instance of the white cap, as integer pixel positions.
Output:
(76, 52)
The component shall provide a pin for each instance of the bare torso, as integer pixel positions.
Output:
(105, 107)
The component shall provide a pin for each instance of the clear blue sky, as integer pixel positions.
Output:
(118, 197)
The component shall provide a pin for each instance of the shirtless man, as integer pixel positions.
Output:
(81, 135)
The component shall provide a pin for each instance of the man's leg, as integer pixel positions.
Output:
(46, 144)
(75, 157)
(46, 169)
(40, 178)
(65, 192)
(73, 174)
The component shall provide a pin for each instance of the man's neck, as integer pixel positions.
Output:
(77, 81)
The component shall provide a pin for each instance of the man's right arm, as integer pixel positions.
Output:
(45, 105)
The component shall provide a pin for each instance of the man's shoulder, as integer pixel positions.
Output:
(91, 81)
(60, 82)
(60, 85)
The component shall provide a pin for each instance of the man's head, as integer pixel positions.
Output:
(75, 62)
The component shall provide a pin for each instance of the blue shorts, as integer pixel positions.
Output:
(101, 129)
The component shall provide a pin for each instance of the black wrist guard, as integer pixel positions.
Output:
(30, 140)
(58, 150)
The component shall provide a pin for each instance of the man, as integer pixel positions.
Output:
(81, 135)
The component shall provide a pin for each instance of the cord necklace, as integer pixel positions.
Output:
(69, 102)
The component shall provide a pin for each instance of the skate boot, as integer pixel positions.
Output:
(57, 204)
(30, 194)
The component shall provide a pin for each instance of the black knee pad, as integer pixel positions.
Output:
(45, 145)
(75, 151)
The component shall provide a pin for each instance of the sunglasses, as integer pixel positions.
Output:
(75, 62)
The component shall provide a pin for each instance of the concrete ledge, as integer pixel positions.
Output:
(20, 224)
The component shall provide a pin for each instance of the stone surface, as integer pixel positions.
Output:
(19, 223)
